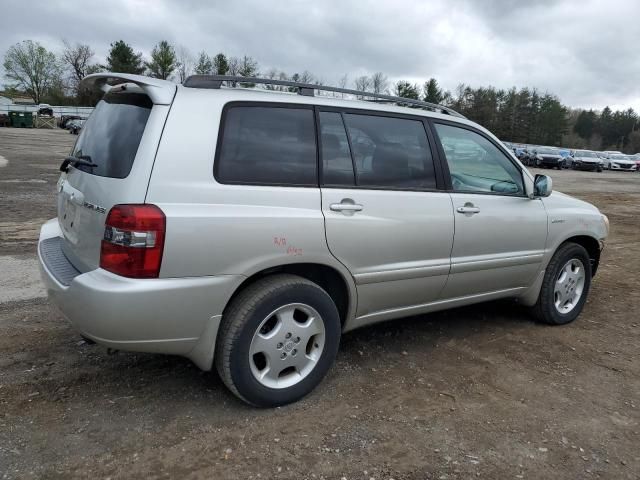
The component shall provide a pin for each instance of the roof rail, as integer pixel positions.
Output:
(308, 89)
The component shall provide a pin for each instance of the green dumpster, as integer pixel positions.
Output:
(21, 119)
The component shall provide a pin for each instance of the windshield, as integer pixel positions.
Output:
(618, 157)
(548, 151)
(111, 136)
(586, 155)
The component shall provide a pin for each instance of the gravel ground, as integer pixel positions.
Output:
(474, 392)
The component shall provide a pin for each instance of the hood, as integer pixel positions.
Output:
(549, 155)
(562, 199)
(623, 162)
(588, 159)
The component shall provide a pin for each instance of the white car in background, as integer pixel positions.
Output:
(618, 161)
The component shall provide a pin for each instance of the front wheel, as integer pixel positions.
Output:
(277, 340)
(565, 286)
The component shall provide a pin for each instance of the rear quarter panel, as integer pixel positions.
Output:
(217, 229)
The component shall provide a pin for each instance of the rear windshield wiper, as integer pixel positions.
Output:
(84, 160)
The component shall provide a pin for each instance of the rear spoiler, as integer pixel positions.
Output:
(161, 92)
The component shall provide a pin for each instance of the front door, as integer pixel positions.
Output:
(500, 233)
(385, 219)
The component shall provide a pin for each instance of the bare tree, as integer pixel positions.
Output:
(306, 77)
(32, 68)
(77, 59)
(248, 67)
(379, 83)
(363, 83)
(185, 62)
(233, 68)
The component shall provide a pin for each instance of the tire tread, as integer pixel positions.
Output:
(234, 319)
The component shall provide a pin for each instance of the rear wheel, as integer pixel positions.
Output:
(565, 286)
(277, 340)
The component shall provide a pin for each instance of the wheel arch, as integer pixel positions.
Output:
(591, 245)
(340, 287)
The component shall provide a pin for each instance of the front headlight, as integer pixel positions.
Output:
(605, 220)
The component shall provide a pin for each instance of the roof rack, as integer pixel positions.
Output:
(308, 89)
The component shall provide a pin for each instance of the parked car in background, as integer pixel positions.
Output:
(585, 160)
(64, 119)
(548, 157)
(618, 161)
(74, 126)
(293, 219)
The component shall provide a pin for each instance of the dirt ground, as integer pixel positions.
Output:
(474, 392)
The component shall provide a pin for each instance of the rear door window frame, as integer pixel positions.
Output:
(438, 170)
(223, 123)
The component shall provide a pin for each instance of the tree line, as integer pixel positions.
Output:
(518, 115)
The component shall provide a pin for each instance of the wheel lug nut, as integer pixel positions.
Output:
(297, 340)
(294, 352)
(283, 355)
(279, 346)
(288, 335)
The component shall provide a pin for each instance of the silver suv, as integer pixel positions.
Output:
(248, 229)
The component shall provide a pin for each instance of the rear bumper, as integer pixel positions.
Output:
(167, 315)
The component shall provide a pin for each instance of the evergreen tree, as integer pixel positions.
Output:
(122, 59)
(204, 65)
(405, 89)
(432, 92)
(163, 61)
(221, 65)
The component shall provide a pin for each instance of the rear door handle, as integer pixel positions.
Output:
(468, 209)
(346, 207)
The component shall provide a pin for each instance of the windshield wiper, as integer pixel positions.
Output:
(84, 160)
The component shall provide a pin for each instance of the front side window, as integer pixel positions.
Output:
(268, 146)
(476, 164)
(390, 152)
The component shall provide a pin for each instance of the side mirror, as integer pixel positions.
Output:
(542, 186)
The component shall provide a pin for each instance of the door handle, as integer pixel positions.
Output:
(468, 209)
(346, 207)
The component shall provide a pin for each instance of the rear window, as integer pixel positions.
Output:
(267, 146)
(111, 136)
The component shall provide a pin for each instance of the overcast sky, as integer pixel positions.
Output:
(585, 51)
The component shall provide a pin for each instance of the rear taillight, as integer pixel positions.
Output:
(133, 241)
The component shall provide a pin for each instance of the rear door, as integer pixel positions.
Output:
(500, 233)
(385, 218)
(121, 138)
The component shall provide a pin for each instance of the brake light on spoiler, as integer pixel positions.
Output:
(133, 241)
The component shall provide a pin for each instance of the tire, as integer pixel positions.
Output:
(244, 322)
(545, 309)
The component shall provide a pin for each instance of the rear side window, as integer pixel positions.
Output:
(337, 168)
(390, 152)
(111, 136)
(267, 146)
